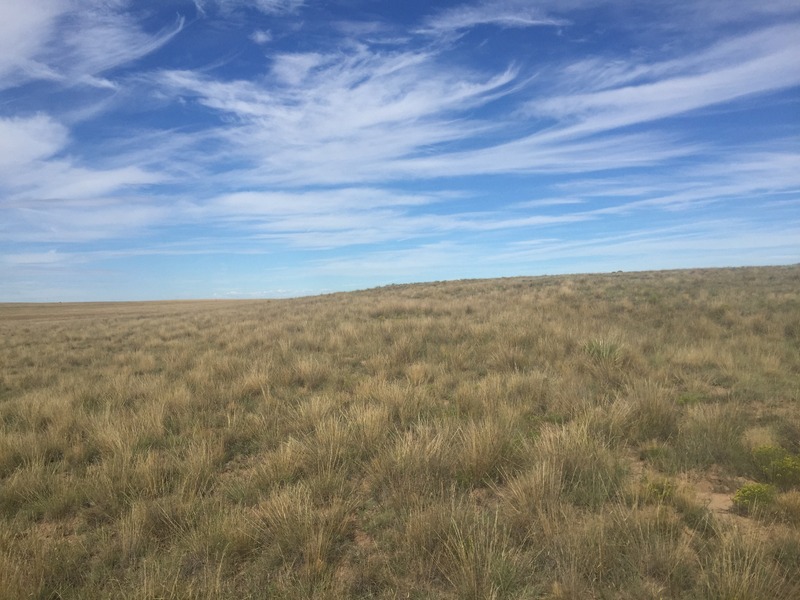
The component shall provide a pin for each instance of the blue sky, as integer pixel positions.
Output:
(263, 148)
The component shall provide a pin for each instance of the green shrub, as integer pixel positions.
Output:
(753, 495)
(777, 466)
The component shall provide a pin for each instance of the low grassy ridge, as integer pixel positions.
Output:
(607, 436)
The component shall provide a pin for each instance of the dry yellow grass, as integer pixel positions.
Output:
(514, 438)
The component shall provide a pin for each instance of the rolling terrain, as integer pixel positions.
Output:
(629, 435)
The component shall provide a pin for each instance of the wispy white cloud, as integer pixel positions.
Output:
(356, 216)
(723, 76)
(279, 6)
(709, 242)
(25, 29)
(733, 179)
(547, 202)
(361, 115)
(268, 7)
(418, 262)
(24, 140)
(250, 204)
(80, 221)
(199, 6)
(699, 14)
(28, 259)
(736, 11)
(537, 154)
(333, 118)
(101, 39)
(45, 196)
(33, 174)
(664, 16)
(261, 36)
(71, 42)
(505, 13)
(702, 243)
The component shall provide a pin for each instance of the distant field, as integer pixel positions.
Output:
(629, 435)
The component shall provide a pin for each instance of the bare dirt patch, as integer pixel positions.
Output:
(716, 491)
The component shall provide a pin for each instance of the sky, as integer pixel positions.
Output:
(271, 148)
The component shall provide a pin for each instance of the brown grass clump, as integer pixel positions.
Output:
(549, 437)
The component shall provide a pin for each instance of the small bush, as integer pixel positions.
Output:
(777, 466)
(753, 495)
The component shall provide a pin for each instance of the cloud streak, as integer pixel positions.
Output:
(721, 74)
(367, 115)
(333, 118)
(501, 14)
(71, 43)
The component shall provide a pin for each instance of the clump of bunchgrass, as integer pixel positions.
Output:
(470, 550)
(414, 463)
(488, 450)
(608, 362)
(478, 559)
(712, 434)
(653, 412)
(295, 532)
(589, 472)
(740, 566)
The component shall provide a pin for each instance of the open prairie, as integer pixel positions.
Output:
(630, 435)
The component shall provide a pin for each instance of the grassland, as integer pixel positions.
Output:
(608, 436)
